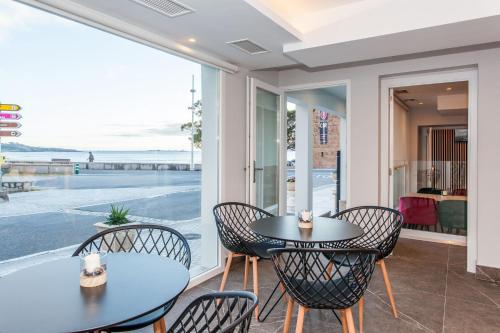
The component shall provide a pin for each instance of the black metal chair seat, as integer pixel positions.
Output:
(317, 292)
(260, 249)
(141, 238)
(224, 312)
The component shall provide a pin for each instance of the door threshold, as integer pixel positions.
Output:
(435, 237)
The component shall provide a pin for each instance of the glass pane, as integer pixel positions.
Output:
(115, 129)
(267, 151)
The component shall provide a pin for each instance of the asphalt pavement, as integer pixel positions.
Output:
(27, 234)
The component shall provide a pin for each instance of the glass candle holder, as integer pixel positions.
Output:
(305, 219)
(93, 268)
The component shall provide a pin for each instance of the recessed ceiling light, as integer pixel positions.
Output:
(449, 89)
(420, 103)
(192, 40)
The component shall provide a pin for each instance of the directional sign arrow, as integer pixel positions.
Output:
(9, 107)
(10, 116)
(9, 125)
(10, 133)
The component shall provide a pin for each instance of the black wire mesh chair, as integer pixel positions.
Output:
(141, 238)
(309, 280)
(232, 220)
(225, 312)
(381, 227)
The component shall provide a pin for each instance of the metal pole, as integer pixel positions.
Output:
(192, 123)
(338, 181)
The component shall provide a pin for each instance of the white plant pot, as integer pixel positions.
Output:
(120, 241)
(290, 186)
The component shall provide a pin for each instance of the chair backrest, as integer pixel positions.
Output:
(418, 210)
(224, 312)
(381, 227)
(453, 214)
(460, 191)
(430, 190)
(232, 220)
(307, 276)
(141, 238)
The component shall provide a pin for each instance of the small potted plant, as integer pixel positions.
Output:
(290, 184)
(121, 240)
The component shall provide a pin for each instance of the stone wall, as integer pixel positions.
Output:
(325, 155)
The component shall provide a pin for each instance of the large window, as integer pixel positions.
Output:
(105, 121)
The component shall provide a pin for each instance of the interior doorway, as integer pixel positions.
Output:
(317, 148)
(428, 145)
(429, 160)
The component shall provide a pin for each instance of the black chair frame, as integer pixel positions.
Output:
(224, 312)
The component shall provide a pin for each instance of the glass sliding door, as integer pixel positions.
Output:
(266, 178)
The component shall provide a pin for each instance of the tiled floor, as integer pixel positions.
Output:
(433, 293)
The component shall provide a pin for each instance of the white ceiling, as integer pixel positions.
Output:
(213, 23)
(310, 33)
(427, 95)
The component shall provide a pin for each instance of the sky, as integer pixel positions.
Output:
(82, 88)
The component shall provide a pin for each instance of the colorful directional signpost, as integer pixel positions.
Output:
(9, 107)
(10, 133)
(9, 125)
(10, 116)
(8, 112)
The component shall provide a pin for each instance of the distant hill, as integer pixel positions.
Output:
(14, 146)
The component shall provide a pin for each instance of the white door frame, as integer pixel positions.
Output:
(466, 74)
(252, 85)
(327, 84)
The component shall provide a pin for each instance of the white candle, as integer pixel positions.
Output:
(92, 262)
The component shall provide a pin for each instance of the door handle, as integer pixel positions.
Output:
(256, 169)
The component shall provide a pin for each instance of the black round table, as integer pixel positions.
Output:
(48, 297)
(324, 230)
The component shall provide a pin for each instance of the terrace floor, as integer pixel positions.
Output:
(433, 293)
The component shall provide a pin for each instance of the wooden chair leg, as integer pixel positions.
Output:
(350, 321)
(288, 317)
(361, 313)
(300, 319)
(256, 283)
(343, 319)
(328, 272)
(159, 326)
(226, 271)
(245, 277)
(388, 288)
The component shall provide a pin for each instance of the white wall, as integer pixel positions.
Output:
(365, 136)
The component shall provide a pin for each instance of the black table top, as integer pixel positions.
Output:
(324, 229)
(48, 297)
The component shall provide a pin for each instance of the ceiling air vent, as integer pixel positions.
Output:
(248, 46)
(169, 8)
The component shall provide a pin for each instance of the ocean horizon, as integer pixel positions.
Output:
(149, 156)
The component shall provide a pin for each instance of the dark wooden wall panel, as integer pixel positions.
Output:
(449, 159)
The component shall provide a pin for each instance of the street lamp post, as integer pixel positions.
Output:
(192, 122)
